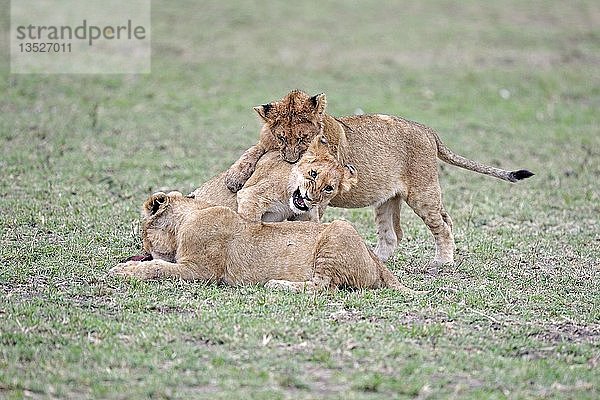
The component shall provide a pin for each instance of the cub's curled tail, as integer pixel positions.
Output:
(446, 155)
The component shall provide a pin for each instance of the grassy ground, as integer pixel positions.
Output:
(510, 83)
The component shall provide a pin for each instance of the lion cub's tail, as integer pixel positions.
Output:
(389, 280)
(446, 155)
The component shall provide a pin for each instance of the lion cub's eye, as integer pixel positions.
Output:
(313, 174)
(328, 188)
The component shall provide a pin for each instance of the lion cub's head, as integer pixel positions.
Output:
(294, 122)
(159, 222)
(318, 177)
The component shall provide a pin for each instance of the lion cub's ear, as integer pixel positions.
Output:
(319, 145)
(155, 203)
(349, 178)
(319, 103)
(264, 111)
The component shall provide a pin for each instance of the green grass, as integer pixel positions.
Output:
(518, 317)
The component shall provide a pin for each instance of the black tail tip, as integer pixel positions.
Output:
(520, 174)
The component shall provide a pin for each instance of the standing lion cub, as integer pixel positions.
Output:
(395, 158)
(185, 240)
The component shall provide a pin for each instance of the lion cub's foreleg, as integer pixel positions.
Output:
(252, 204)
(313, 215)
(158, 269)
(387, 218)
(242, 169)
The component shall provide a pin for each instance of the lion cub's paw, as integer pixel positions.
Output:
(121, 268)
(235, 179)
(434, 267)
(296, 287)
(129, 268)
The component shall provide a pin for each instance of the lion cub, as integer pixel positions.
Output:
(397, 160)
(313, 181)
(215, 244)
(279, 191)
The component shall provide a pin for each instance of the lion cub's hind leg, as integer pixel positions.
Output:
(446, 218)
(427, 204)
(396, 221)
(342, 260)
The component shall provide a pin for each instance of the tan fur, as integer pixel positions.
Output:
(395, 158)
(313, 182)
(289, 136)
(268, 195)
(270, 179)
(215, 244)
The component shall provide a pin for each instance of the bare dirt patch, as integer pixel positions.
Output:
(568, 332)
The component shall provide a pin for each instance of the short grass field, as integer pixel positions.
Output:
(511, 83)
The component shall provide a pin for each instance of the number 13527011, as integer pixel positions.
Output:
(44, 47)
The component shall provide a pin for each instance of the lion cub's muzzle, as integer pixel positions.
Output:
(291, 157)
(299, 201)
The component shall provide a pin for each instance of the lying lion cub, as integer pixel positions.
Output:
(313, 181)
(280, 191)
(396, 158)
(215, 244)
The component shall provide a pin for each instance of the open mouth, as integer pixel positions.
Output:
(298, 201)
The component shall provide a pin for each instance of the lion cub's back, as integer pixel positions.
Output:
(214, 193)
(271, 167)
